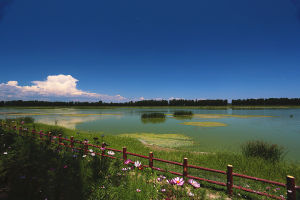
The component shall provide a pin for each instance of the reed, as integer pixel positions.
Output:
(257, 148)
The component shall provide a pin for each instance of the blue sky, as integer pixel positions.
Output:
(122, 50)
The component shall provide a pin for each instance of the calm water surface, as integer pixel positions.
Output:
(282, 128)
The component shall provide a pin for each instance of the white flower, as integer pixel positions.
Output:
(191, 194)
(111, 153)
(93, 154)
(84, 156)
(137, 163)
(91, 150)
(5, 153)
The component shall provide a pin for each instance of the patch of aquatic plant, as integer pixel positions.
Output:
(163, 140)
(153, 115)
(204, 124)
(182, 113)
(257, 148)
(219, 116)
(89, 114)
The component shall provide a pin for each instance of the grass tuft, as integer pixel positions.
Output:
(257, 148)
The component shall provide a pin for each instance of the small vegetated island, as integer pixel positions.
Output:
(154, 117)
(183, 114)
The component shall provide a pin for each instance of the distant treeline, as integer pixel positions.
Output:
(174, 102)
(266, 102)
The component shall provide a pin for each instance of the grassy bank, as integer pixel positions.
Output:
(252, 166)
(218, 160)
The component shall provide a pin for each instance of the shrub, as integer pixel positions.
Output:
(153, 115)
(56, 131)
(182, 113)
(257, 148)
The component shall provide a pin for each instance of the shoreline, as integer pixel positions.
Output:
(179, 107)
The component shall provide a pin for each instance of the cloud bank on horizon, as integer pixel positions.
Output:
(55, 88)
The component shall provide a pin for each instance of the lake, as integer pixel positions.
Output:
(279, 126)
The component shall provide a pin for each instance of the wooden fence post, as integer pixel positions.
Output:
(151, 160)
(103, 149)
(124, 154)
(49, 137)
(33, 133)
(59, 138)
(41, 134)
(72, 141)
(86, 147)
(291, 188)
(20, 130)
(185, 168)
(229, 180)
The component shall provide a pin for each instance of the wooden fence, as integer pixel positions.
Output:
(290, 186)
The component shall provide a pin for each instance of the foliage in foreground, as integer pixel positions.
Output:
(31, 169)
(253, 166)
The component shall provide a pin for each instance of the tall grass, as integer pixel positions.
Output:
(267, 151)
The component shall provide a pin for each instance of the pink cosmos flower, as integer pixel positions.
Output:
(102, 148)
(163, 190)
(162, 177)
(178, 181)
(127, 162)
(66, 166)
(194, 183)
(138, 190)
(93, 154)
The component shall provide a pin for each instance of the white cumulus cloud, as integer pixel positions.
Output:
(55, 87)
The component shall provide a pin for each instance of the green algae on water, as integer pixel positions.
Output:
(163, 140)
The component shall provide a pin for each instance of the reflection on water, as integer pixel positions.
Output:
(68, 122)
(153, 120)
(186, 117)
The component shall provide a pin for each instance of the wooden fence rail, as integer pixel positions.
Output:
(290, 186)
